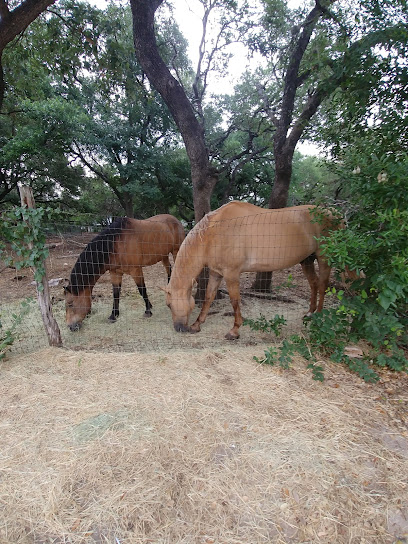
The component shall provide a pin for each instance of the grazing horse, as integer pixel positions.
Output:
(123, 248)
(240, 237)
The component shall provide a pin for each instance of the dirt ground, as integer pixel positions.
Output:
(134, 434)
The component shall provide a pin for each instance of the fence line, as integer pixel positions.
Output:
(132, 330)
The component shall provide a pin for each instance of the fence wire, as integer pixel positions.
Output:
(85, 261)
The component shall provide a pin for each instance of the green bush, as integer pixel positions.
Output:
(22, 232)
(9, 335)
(375, 241)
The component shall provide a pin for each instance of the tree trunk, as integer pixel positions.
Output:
(203, 177)
(127, 203)
(288, 132)
(283, 174)
(278, 199)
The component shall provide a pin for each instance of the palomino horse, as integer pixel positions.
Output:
(123, 248)
(240, 237)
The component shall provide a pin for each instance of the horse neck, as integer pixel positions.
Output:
(189, 263)
(92, 274)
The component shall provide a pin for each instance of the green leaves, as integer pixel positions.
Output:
(264, 325)
(9, 335)
(269, 358)
(23, 229)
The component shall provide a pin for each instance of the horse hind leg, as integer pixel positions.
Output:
(139, 280)
(311, 276)
(167, 266)
(324, 278)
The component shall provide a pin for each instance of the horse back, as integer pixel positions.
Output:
(174, 226)
(147, 241)
(242, 237)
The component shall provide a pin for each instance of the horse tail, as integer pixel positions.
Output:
(180, 236)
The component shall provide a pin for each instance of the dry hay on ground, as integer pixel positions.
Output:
(198, 448)
(134, 331)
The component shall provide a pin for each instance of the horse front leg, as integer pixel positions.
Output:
(138, 277)
(235, 298)
(167, 266)
(311, 276)
(212, 287)
(116, 280)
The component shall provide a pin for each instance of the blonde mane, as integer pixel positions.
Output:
(199, 229)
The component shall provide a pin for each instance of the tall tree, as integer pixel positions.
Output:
(326, 50)
(77, 91)
(13, 22)
(187, 113)
(203, 176)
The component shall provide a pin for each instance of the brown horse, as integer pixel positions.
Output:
(123, 248)
(240, 237)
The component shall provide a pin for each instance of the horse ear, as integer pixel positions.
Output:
(66, 287)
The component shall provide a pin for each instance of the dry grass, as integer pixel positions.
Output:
(197, 447)
(133, 331)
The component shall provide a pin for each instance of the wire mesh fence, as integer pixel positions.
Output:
(114, 282)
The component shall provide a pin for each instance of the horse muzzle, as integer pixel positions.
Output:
(74, 327)
(180, 327)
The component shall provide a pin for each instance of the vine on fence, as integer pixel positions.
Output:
(23, 245)
(22, 229)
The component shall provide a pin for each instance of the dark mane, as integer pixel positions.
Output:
(91, 263)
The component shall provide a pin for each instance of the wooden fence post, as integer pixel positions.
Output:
(43, 293)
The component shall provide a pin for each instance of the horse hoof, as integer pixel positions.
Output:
(230, 336)
(195, 327)
(112, 319)
(147, 314)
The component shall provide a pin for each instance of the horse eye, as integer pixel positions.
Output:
(70, 305)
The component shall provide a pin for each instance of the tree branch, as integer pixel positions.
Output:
(4, 10)
(291, 77)
(338, 77)
(12, 23)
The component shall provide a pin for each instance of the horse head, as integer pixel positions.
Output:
(181, 304)
(77, 307)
